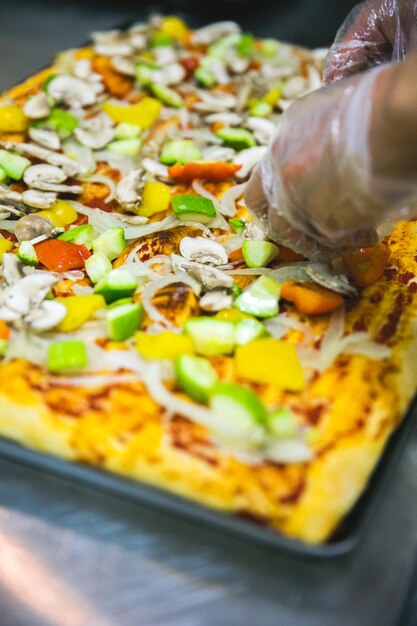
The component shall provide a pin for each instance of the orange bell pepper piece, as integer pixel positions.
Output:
(366, 265)
(311, 299)
(4, 330)
(60, 256)
(208, 170)
(236, 255)
(117, 84)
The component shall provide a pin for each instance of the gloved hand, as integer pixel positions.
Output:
(343, 161)
(375, 32)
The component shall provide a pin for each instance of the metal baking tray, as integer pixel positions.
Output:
(345, 539)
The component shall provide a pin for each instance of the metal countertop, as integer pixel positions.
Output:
(73, 557)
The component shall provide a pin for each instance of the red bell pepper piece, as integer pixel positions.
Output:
(366, 265)
(207, 170)
(60, 256)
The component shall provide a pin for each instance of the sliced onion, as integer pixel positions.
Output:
(82, 290)
(81, 154)
(231, 242)
(289, 451)
(228, 199)
(250, 271)
(8, 225)
(73, 275)
(199, 188)
(102, 179)
(152, 288)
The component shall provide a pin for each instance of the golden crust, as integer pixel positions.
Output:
(355, 406)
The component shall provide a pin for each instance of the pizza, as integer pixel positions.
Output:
(148, 325)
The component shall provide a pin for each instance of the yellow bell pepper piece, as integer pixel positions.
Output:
(5, 246)
(166, 345)
(79, 310)
(233, 315)
(12, 119)
(50, 215)
(174, 27)
(64, 212)
(155, 198)
(274, 95)
(270, 361)
(144, 114)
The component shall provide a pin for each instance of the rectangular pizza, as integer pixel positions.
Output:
(148, 326)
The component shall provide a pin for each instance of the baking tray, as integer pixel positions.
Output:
(345, 539)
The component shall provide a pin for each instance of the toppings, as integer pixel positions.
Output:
(111, 242)
(179, 151)
(195, 376)
(166, 345)
(12, 119)
(97, 266)
(123, 321)
(13, 164)
(236, 138)
(61, 256)
(71, 91)
(259, 253)
(156, 197)
(212, 170)
(81, 235)
(67, 357)
(367, 265)
(32, 226)
(27, 253)
(79, 309)
(192, 208)
(270, 361)
(311, 299)
(241, 409)
(118, 283)
(203, 250)
(144, 114)
(167, 95)
(260, 298)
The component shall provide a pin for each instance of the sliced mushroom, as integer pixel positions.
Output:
(138, 41)
(46, 316)
(70, 167)
(129, 189)
(237, 63)
(82, 69)
(39, 199)
(48, 178)
(226, 118)
(156, 169)
(123, 65)
(216, 300)
(203, 250)
(170, 74)
(209, 277)
(12, 269)
(37, 106)
(212, 32)
(262, 129)
(72, 91)
(96, 132)
(31, 226)
(114, 48)
(45, 138)
(9, 194)
(248, 159)
(253, 231)
(322, 274)
(106, 36)
(218, 153)
(164, 55)
(215, 101)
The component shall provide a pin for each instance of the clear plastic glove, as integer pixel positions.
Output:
(375, 32)
(343, 161)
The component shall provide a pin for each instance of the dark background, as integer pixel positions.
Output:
(32, 31)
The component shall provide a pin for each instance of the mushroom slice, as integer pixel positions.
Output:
(12, 269)
(48, 178)
(164, 55)
(227, 118)
(212, 32)
(31, 226)
(96, 132)
(9, 194)
(210, 277)
(114, 48)
(129, 188)
(215, 101)
(237, 63)
(39, 199)
(248, 159)
(70, 167)
(106, 36)
(37, 106)
(45, 138)
(153, 167)
(254, 232)
(170, 74)
(46, 316)
(218, 153)
(72, 91)
(203, 250)
(216, 300)
(123, 65)
(322, 274)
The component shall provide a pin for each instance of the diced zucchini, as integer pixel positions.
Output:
(167, 95)
(246, 45)
(195, 376)
(236, 138)
(204, 77)
(281, 423)
(97, 266)
(67, 357)
(260, 298)
(161, 39)
(179, 151)
(193, 208)
(269, 47)
(241, 410)
(126, 131)
(27, 253)
(3, 174)
(4, 344)
(126, 147)
(123, 321)
(59, 121)
(249, 329)
(211, 336)
(119, 302)
(237, 225)
(81, 235)
(260, 109)
(144, 71)
(258, 253)
(13, 164)
(220, 48)
(111, 242)
(117, 284)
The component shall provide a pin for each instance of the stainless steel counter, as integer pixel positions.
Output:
(72, 557)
